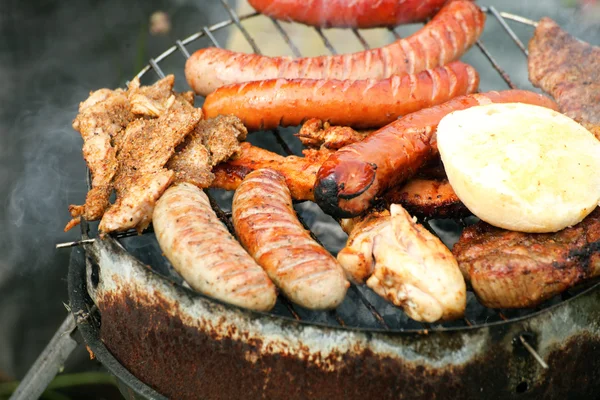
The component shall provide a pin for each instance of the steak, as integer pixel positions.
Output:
(569, 70)
(516, 270)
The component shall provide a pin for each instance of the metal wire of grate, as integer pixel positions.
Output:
(225, 216)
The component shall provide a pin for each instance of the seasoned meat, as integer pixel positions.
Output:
(211, 142)
(103, 116)
(513, 269)
(569, 70)
(316, 133)
(357, 256)
(150, 101)
(431, 198)
(141, 178)
(299, 172)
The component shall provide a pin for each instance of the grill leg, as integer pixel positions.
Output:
(48, 363)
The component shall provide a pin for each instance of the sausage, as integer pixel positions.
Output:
(268, 228)
(363, 104)
(206, 255)
(351, 178)
(360, 14)
(444, 39)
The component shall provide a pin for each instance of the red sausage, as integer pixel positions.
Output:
(348, 182)
(349, 13)
(359, 104)
(444, 39)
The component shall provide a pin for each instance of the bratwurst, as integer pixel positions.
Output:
(352, 177)
(206, 255)
(267, 226)
(366, 103)
(444, 39)
(349, 13)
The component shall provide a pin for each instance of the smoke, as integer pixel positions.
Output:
(52, 54)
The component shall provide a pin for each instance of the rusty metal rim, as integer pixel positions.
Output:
(81, 304)
(192, 293)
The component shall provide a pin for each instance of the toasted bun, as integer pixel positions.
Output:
(521, 167)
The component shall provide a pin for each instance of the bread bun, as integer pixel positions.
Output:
(521, 167)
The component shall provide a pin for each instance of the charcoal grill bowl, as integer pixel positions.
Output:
(143, 327)
(185, 345)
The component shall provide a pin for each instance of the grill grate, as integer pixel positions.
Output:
(361, 295)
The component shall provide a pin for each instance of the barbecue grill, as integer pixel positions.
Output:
(159, 338)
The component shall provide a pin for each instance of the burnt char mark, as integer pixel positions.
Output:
(326, 196)
(585, 257)
(183, 362)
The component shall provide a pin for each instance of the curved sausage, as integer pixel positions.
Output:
(206, 255)
(360, 14)
(444, 39)
(348, 182)
(359, 104)
(268, 228)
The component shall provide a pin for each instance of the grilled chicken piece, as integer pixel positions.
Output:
(146, 147)
(407, 264)
(316, 133)
(357, 256)
(212, 141)
(103, 116)
(516, 270)
(569, 70)
(299, 172)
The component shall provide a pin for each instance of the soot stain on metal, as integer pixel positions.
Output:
(186, 362)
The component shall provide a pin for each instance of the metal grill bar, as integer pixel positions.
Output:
(290, 307)
(157, 69)
(508, 30)
(326, 41)
(287, 38)
(211, 37)
(182, 48)
(361, 39)
(282, 142)
(238, 23)
(497, 67)
(370, 307)
(396, 34)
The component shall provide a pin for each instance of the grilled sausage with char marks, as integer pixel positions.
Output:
(444, 39)
(267, 226)
(359, 14)
(206, 255)
(352, 177)
(360, 104)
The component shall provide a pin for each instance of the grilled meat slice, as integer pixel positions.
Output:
(428, 197)
(146, 147)
(515, 270)
(405, 264)
(357, 256)
(299, 172)
(569, 70)
(212, 141)
(103, 116)
(317, 133)
(150, 101)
